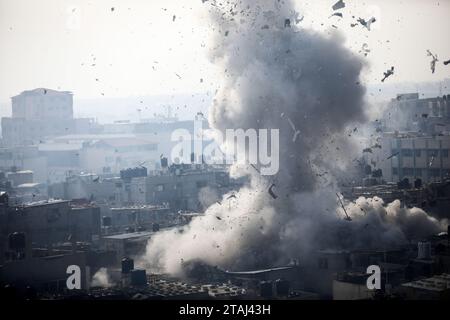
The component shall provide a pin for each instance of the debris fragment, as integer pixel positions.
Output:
(296, 132)
(339, 5)
(174, 17)
(365, 49)
(218, 218)
(431, 162)
(297, 19)
(388, 73)
(392, 155)
(287, 23)
(232, 196)
(367, 23)
(254, 167)
(433, 61)
(347, 217)
(336, 14)
(446, 62)
(272, 194)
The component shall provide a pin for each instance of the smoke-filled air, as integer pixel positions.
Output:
(277, 75)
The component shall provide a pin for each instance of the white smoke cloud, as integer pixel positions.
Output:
(275, 74)
(101, 279)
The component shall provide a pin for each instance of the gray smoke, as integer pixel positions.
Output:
(277, 74)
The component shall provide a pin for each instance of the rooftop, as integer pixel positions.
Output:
(436, 283)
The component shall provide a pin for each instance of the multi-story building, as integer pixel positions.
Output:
(413, 156)
(41, 113)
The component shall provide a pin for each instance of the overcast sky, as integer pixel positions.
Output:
(138, 48)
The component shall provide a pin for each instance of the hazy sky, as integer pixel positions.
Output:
(140, 49)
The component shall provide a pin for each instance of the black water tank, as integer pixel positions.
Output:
(418, 183)
(164, 162)
(282, 287)
(155, 227)
(127, 265)
(266, 289)
(138, 277)
(107, 221)
(17, 241)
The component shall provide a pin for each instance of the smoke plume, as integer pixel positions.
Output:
(278, 75)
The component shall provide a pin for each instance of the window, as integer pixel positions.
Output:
(201, 184)
(323, 263)
(434, 173)
(408, 171)
(417, 153)
(160, 187)
(418, 172)
(433, 152)
(407, 153)
(395, 171)
(444, 153)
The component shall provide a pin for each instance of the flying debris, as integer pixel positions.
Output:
(367, 150)
(446, 62)
(336, 14)
(297, 19)
(296, 132)
(339, 5)
(365, 49)
(254, 167)
(232, 196)
(287, 23)
(96, 179)
(367, 23)
(392, 155)
(431, 162)
(433, 61)
(347, 217)
(388, 73)
(174, 17)
(218, 218)
(272, 194)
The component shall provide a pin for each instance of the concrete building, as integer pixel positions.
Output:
(49, 222)
(433, 288)
(39, 114)
(409, 113)
(412, 156)
(178, 186)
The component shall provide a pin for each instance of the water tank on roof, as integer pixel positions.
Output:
(282, 287)
(266, 289)
(106, 221)
(138, 277)
(17, 241)
(424, 250)
(127, 265)
(164, 162)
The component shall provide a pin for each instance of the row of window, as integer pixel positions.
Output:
(424, 152)
(418, 172)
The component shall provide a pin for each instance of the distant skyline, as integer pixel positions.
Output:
(144, 48)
